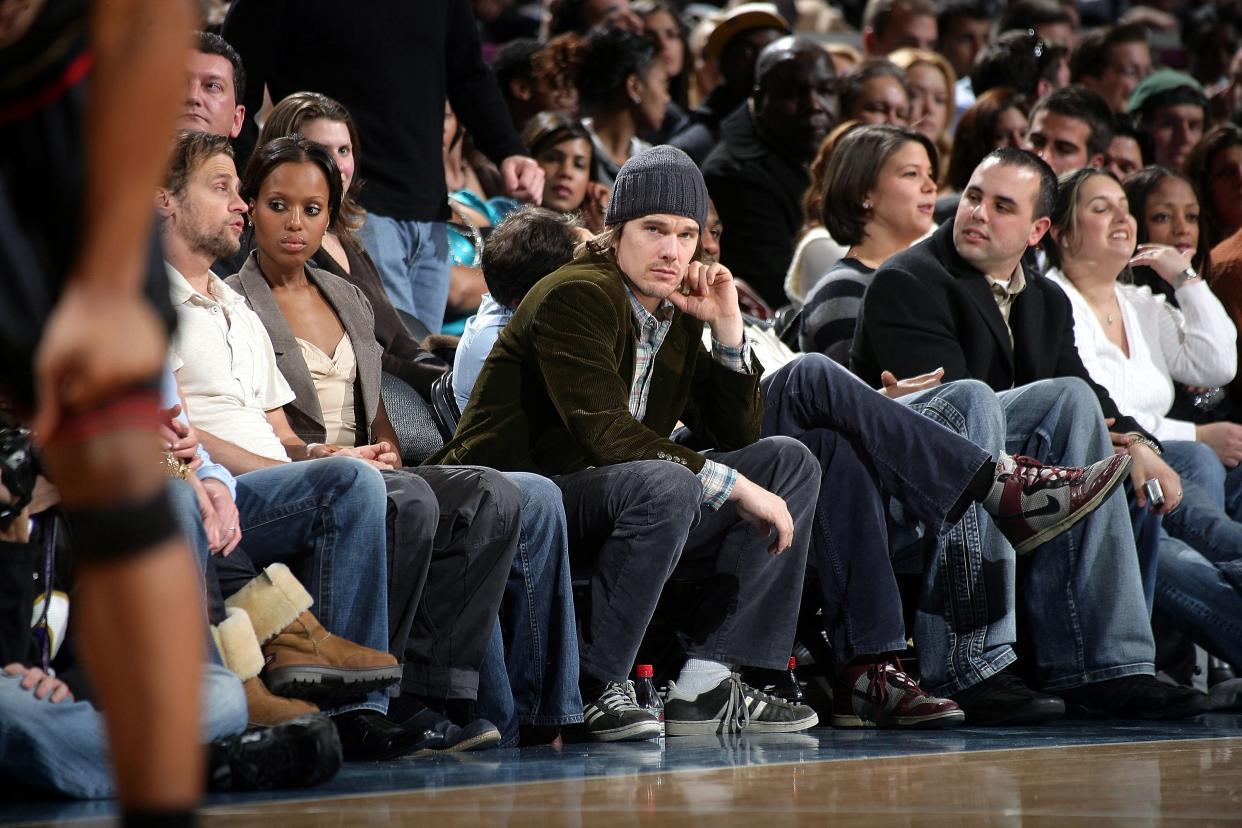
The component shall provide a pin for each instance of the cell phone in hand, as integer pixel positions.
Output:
(1154, 493)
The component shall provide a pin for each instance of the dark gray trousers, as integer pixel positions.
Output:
(634, 524)
(455, 599)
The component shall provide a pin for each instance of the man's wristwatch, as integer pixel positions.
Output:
(1184, 278)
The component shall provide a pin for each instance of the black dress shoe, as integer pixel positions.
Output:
(369, 737)
(1138, 697)
(1004, 699)
(297, 754)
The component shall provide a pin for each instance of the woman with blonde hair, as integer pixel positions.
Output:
(930, 81)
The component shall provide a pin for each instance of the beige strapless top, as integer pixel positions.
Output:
(334, 378)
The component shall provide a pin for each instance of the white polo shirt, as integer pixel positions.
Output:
(226, 366)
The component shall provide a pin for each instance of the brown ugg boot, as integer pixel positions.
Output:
(239, 650)
(303, 659)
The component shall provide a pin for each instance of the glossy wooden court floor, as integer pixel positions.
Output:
(1119, 773)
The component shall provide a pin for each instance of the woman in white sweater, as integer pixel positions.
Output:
(1136, 345)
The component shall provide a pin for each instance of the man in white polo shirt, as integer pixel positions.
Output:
(326, 519)
(451, 533)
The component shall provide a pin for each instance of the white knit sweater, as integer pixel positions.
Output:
(1192, 345)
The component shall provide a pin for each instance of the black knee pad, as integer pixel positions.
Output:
(121, 530)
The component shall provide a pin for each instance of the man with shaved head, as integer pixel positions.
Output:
(758, 172)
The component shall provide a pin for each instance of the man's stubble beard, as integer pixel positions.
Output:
(219, 245)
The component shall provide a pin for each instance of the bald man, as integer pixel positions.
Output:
(758, 172)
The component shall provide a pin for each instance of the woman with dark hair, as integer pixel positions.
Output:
(1135, 344)
(1214, 165)
(878, 197)
(562, 147)
(1167, 211)
(472, 182)
(997, 118)
(1215, 168)
(875, 92)
(623, 91)
(326, 122)
(665, 29)
(321, 327)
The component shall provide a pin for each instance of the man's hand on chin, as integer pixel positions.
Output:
(711, 296)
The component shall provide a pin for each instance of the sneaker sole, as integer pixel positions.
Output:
(637, 732)
(1053, 531)
(950, 718)
(329, 684)
(713, 726)
(479, 742)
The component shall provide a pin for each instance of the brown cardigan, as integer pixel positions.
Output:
(553, 396)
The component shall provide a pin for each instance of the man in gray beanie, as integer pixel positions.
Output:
(599, 363)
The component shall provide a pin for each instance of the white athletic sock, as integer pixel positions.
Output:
(699, 675)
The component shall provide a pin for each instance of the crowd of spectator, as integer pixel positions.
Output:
(805, 314)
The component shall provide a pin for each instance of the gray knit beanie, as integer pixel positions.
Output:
(662, 179)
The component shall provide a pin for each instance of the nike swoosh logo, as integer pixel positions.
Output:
(1050, 507)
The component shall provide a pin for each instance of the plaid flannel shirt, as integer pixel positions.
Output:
(717, 479)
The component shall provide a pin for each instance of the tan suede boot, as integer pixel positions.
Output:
(304, 660)
(239, 649)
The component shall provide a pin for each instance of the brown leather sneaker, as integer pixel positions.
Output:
(305, 661)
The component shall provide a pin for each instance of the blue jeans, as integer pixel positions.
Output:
(324, 519)
(529, 674)
(1208, 517)
(869, 447)
(190, 520)
(63, 748)
(413, 261)
(1198, 597)
(1081, 592)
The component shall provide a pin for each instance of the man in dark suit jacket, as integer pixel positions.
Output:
(596, 367)
(960, 300)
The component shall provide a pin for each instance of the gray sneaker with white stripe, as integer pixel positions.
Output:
(732, 706)
(616, 717)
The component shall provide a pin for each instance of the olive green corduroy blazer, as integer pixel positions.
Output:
(553, 396)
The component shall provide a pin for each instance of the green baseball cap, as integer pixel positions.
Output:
(1166, 87)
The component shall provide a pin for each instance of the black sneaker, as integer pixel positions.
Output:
(296, 754)
(478, 734)
(733, 705)
(616, 717)
(1138, 697)
(1004, 699)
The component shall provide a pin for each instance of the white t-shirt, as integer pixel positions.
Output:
(817, 253)
(226, 366)
(1192, 345)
